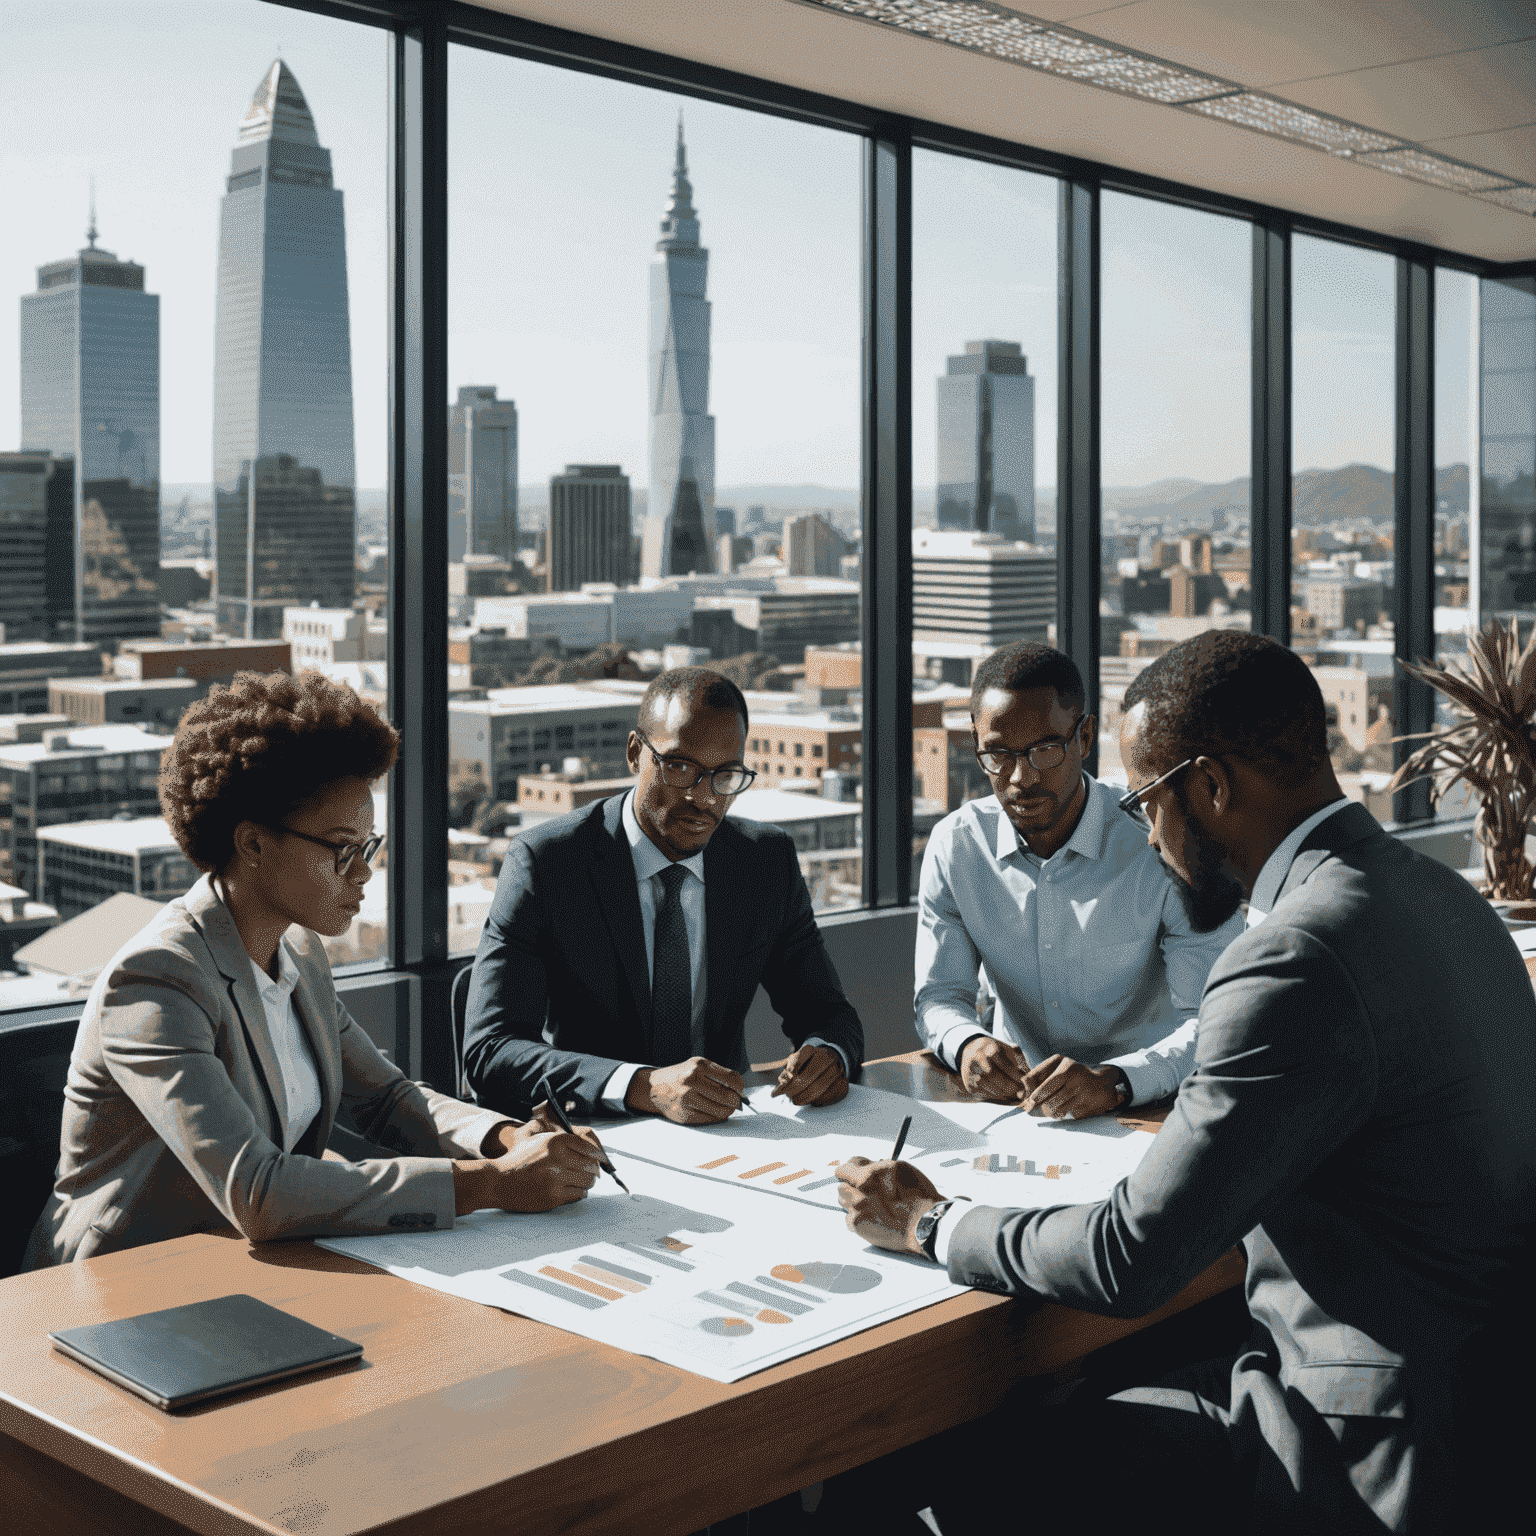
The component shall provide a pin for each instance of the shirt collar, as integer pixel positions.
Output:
(1266, 889)
(1087, 836)
(287, 977)
(649, 860)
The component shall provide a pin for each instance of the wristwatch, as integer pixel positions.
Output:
(1122, 1089)
(928, 1226)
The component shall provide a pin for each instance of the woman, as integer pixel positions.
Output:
(213, 1051)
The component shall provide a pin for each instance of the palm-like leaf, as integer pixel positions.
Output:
(1491, 747)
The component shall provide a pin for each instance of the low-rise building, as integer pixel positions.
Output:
(26, 666)
(21, 921)
(156, 704)
(541, 796)
(85, 862)
(89, 774)
(208, 662)
(802, 746)
(491, 658)
(320, 637)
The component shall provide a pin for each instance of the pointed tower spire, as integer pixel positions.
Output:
(278, 110)
(680, 221)
(90, 233)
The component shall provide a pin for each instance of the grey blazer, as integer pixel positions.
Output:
(1362, 1117)
(174, 1108)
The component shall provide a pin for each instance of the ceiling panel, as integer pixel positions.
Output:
(879, 67)
(1266, 44)
(1511, 151)
(1466, 93)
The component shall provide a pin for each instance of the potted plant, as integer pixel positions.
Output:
(1492, 694)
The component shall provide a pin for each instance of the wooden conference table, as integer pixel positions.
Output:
(465, 1419)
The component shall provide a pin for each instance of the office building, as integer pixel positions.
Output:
(986, 441)
(283, 473)
(482, 475)
(779, 615)
(589, 535)
(87, 774)
(1343, 602)
(90, 391)
(320, 637)
(783, 745)
(21, 921)
(27, 666)
(156, 704)
(37, 541)
(680, 507)
(978, 587)
(641, 618)
(812, 546)
(208, 661)
(87, 862)
(513, 731)
(491, 658)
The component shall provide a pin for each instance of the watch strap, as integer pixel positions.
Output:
(928, 1226)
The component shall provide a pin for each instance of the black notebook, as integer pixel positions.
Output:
(185, 1354)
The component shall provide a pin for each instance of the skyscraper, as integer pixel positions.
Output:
(588, 527)
(812, 546)
(680, 510)
(283, 467)
(482, 475)
(90, 391)
(986, 458)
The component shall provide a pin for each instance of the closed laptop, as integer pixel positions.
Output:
(185, 1355)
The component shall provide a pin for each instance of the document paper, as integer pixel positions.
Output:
(732, 1254)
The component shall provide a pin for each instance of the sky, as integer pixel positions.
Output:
(557, 185)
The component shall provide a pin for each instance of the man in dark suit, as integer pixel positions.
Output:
(1361, 1117)
(626, 940)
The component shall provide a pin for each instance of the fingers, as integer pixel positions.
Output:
(851, 1171)
(819, 1074)
(791, 1068)
(1030, 1080)
(1061, 1092)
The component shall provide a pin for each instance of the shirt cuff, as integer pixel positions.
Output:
(842, 1055)
(1140, 1076)
(469, 1138)
(952, 1042)
(612, 1096)
(945, 1230)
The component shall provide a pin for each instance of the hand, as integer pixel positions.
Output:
(884, 1200)
(992, 1069)
(539, 1172)
(1063, 1089)
(694, 1092)
(814, 1076)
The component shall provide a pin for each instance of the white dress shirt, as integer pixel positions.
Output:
(649, 862)
(295, 1060)
(1089, 952)
(1266, 892)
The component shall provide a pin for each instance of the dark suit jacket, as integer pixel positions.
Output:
(1362, 1115)
(561, 982)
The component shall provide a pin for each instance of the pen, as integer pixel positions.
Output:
(559, 1113)
(901, 1138)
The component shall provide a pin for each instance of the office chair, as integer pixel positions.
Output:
(460, 1007)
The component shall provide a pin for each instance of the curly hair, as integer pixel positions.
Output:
(258, 749)
(1227, 692)
(1026, 664)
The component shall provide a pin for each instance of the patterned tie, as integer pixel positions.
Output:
(671, 975)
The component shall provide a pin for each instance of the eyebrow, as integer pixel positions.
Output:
(693, 762)
(1040, 742)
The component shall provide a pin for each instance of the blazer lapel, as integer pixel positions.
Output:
(1330, 836)
(310, 1008)
(725, 915)
(613, 882)
(229, 954)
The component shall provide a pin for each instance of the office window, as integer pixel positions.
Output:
(1175, 343)
(984, 296)
(203, 342)
(654, 380)
(1343, 307)
(1508, 488)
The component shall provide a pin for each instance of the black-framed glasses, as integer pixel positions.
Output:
(682, 773)
(345, 852)
(1043, 755)
(1131, 802)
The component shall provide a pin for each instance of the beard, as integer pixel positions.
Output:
(1211, 895)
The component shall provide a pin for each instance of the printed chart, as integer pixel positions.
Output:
(690, 1270)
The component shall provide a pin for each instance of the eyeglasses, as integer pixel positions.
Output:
(1043, 755)
(1131, 803)
(345, 852)
(681, 773)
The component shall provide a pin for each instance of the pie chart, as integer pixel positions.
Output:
(836, 1279)
(726, 1327)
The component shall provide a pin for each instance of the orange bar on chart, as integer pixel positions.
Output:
(1053, 1171)
(789, 1178)
(589, 1286)
(604, 1278)
(720, 1162)
(752, 1173)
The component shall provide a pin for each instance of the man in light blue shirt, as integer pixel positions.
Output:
(1049, 886)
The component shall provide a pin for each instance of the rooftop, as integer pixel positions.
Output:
(780, 807)
(85, 741)
(83, 945)
(143, 834)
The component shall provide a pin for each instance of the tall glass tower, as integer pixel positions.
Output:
(90, 392)
(283, 468)
(986, 458)
(680, 511)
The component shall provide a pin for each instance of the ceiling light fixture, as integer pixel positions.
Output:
(1003, 33)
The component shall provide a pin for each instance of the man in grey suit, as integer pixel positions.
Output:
(1361, 1117)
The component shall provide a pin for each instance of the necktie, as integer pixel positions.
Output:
(671, 975)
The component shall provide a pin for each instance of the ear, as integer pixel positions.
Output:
(1219, 786)
(248, 843)
(1088, 733)
(632, 752)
